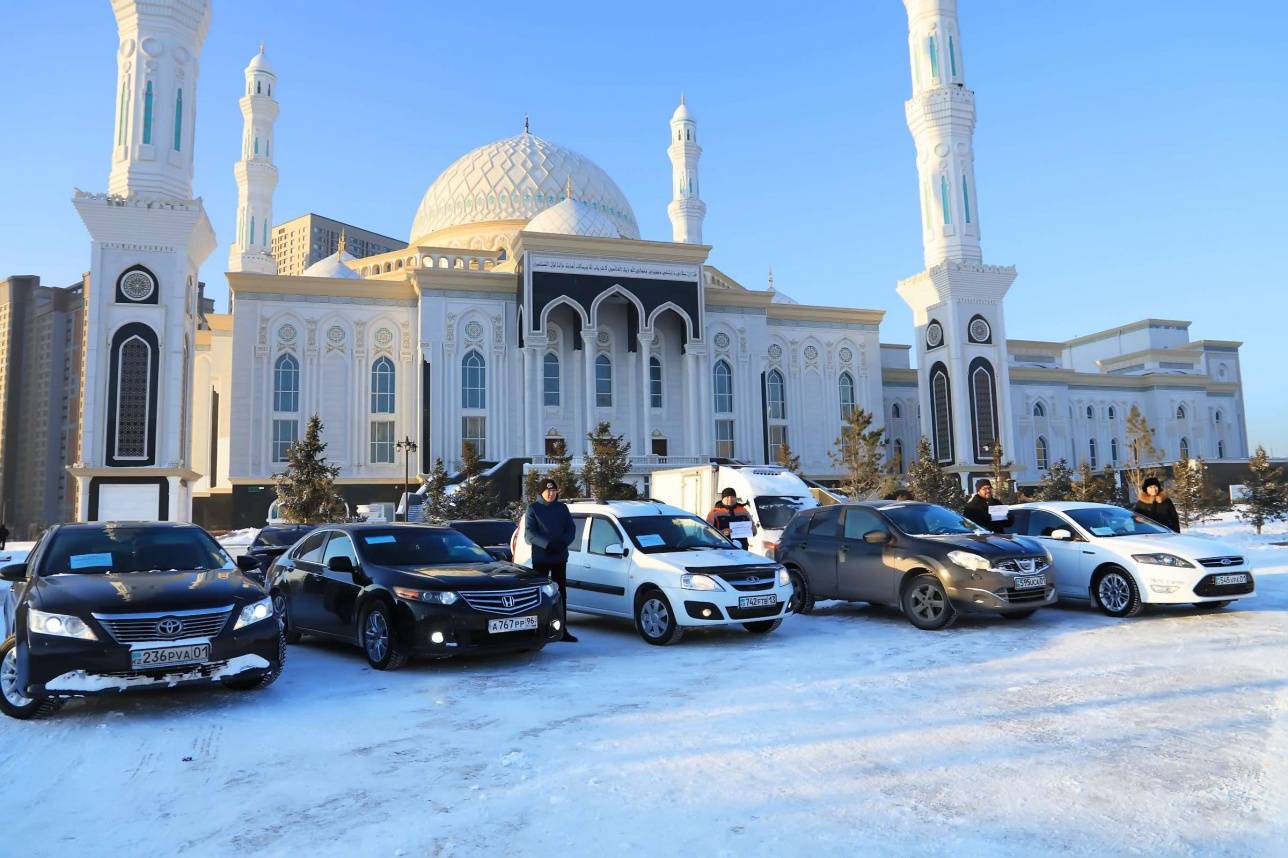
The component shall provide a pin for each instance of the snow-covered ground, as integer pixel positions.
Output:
(846, 732)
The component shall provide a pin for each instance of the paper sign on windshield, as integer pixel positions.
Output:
(379, 540)
(740, 530)
(86, 561)
(999, 512)
(650, 540)
(1102, 531)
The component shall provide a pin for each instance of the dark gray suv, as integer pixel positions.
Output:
(925, 559)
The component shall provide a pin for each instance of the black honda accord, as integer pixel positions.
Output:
(408, 590)
(113, 606)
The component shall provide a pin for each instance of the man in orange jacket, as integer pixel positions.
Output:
(726, 511)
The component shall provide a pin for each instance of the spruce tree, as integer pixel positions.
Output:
(860, 451)
(563, 473)
(1265, 498)
(475, 496)
(929, 482)
(787, 460)
(607, 464)
(1057, 483)
(1001, 476)
(1143, 457)
(437, 508)
(306, 488)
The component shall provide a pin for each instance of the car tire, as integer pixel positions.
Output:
(377, 635)
(1116, 593)
(802, 601)
(1019, 615)
(14, 703)
(265, 679)
(763, 628)
(279, 608)
(655, 619)
(1214, 606)
(926, 604)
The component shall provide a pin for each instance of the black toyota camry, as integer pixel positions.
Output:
(114, 606)
(408, 590)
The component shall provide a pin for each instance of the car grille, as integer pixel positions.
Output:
(746, 579)
(754, 613)
(504, 602)
(161, 626)
(1028, 594)
(1218, 562)
(1022, 565)
(1209, 587)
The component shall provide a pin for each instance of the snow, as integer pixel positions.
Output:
(846, 732)
(79, 680)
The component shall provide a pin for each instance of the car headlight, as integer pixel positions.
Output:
(1161, 559)
(254, 612)
(549, 589)
(433, 597)
(970, 560)
(699, 582)
(783, 578)
(60, 625)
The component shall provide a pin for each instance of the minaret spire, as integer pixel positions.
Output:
(256, 174)
(686, 209)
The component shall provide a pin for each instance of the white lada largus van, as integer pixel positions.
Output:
(666, 569)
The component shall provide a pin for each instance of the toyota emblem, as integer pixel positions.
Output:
(169, 627)
(507, 601)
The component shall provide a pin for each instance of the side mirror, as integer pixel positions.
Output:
(1062, 534)
(14, 572)
(876, 537)
(247, 562)
(340, 564)
(615, 550)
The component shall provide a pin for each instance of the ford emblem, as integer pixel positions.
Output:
(169, 627)
(1226, 561)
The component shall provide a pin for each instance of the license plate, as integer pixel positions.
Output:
(511, 624)
(757, 601)
(1226, 580)
(150, 659)
(1027, 582)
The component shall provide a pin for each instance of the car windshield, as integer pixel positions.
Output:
(281, 537)
(658, 534)
(774, 511)
(132, 548)
(927, 519)
(486, 532)
(1109, 521)
(417, 546)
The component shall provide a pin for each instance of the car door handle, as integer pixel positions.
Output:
(1085, 551)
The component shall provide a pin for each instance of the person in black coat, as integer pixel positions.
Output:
(4, 536)
(1154, 504)
(976, 508)
(548, 527)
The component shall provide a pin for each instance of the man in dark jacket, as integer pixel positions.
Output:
(728, 510)
(548, 527)
(1157, 506)
(976, 508)
(4, 536)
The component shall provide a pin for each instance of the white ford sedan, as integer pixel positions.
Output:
(1120, 561)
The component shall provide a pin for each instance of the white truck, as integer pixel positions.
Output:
(772, 495)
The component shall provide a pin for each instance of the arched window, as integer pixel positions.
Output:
(846, 389)
(932, 49)
(259, 87)
(983, 407)
(178, 119)
(1216, 418)
(1220, 449)
(147, 113)
(965, 199)
(952, 58)
(1039, 410)
(120, 115)
(898, 456)
(1180, 412)
(252, 229)
(1091, 453)
(941, 414)
(133, 388)
(1111, 413)
(776, 395)
(603, 382)
(1043, 456)
(943, 199)
(895, 411)
(1113, 450)
(473, 381)
(722, 387)
(550, 379)
(286, 384)
(382, 386)
(1091, 412)
(654, 382)
(1185, 449)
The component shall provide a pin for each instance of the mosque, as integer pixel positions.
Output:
(526, 308)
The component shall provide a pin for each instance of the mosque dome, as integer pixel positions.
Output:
(573, 217)
(333, 266)
(259, 62)
(516, 179)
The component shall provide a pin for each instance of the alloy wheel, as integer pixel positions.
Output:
(654, 617)
(9, 680)
(1114, 592)
(279, 606)
(927, 602)
(375, 636)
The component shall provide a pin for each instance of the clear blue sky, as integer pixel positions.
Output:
(1128, 153)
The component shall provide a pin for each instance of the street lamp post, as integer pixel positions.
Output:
(407, 446)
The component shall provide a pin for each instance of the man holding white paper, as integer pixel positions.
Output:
(731, 518)
(984, 510)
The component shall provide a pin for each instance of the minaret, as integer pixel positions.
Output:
(686, 209)
(957, 300)
(148, 238)
(256, 174)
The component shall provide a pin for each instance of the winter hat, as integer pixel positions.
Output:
(548, 484)
(983, 484)
(728, 493)
(1152, 481)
